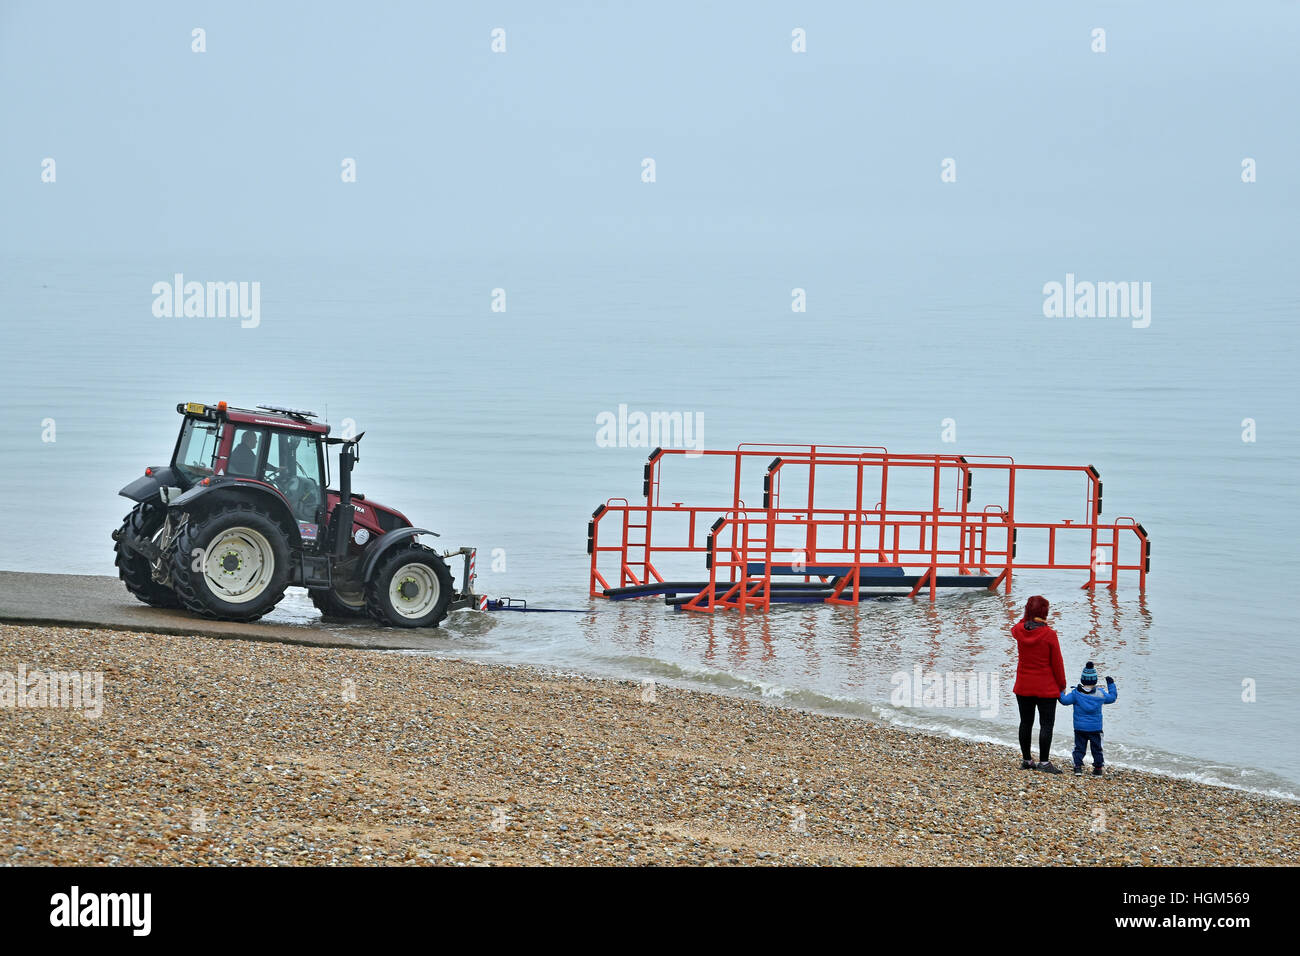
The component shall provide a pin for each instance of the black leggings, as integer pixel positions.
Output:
(1046, 707)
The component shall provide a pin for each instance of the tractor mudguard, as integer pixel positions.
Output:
(146, 486)
(385, 543)
(232, 489)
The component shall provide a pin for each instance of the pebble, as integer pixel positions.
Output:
(232, 752)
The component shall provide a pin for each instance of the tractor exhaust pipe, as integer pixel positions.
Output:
(344, 512)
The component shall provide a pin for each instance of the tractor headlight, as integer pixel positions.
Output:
(361, 536)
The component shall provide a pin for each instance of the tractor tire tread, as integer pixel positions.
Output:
(134, 570)
(328, 603)
(375, 596)
(183, 578)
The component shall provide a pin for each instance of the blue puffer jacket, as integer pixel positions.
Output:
(1087, 706)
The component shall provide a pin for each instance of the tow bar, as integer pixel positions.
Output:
(519, 604)
(467, 598)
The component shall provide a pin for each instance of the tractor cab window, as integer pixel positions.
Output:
(244, 452)
(196, 449)
(293, 465)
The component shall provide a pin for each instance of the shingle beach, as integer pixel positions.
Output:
(231, 752)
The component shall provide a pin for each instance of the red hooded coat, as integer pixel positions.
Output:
(1040, 672)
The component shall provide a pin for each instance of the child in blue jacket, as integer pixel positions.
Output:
(1087, 716)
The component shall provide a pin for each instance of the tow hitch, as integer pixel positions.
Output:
(466, 598)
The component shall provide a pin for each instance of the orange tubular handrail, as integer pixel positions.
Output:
(740, 538)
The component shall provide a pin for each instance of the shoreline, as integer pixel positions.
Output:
(100, 603)
(225, 752)
(1061, 746)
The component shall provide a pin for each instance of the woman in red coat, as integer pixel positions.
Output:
(1040, 680)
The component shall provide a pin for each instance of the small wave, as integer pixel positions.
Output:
(711, 680)
(473, 646)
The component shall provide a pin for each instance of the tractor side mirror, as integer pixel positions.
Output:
(350, 447)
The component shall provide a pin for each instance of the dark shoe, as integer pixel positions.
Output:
(1028, 765)
(1078, 768)
(1096, 771)
(1048, 767)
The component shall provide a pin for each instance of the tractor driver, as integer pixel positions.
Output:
(243, 457)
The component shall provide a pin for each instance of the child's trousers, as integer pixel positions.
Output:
(1082, 740)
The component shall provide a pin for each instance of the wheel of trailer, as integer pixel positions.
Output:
(134, 568)
(336, 603)
(232, 563)
(412, 587)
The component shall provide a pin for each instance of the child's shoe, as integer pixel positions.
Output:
(1027, 765)
(1078, 768)
(1096, 771)
(1048, 767)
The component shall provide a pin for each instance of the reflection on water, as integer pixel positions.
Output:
(843, 660)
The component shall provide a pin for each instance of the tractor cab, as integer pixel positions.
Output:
(279, 448)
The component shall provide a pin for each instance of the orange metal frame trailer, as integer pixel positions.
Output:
(874, 547)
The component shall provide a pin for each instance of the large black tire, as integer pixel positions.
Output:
(133, 568)
(412, 587)
(332, 604)
(209, 557)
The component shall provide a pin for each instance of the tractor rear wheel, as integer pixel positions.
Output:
(232, 563)
(133, 567)
(332, 603)
(412, 587)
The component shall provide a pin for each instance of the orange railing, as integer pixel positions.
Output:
(741, 542)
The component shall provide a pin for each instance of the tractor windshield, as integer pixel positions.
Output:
(196, 449)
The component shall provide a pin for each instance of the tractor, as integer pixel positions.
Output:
(244, 511)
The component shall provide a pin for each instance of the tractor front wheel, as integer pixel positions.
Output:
(412, 587)
(231, 564)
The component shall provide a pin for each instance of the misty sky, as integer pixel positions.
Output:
(239, 149)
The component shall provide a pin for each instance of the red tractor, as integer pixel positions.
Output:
(243, 511)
